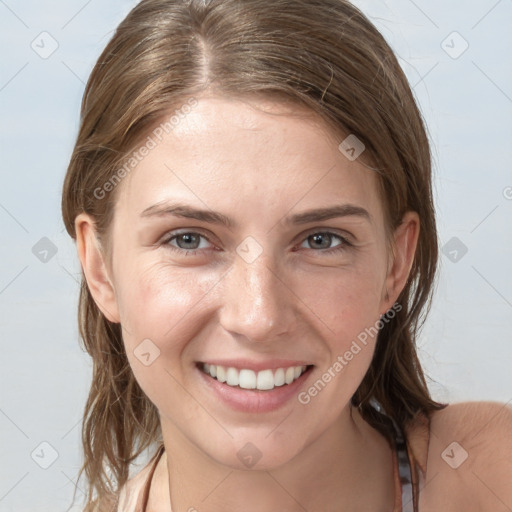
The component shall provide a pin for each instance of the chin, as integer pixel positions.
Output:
(256, 451)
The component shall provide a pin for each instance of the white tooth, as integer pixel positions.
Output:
(206, 367)
(221, 374)
(232, 378)
(290, 373)
(279, 377)
(247, 379)
(265, 380)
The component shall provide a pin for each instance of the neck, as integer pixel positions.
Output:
(347, 468)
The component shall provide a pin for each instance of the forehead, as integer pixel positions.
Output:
(239, 157)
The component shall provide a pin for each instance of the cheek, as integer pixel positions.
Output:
(348, 306)
(156, 300)
(346, 300)
(170, 304)
(161, 308)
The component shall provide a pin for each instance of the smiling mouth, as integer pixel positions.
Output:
(263, 380)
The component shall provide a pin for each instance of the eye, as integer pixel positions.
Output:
(187, 242)
(323, 239)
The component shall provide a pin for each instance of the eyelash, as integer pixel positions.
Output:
(192, 252)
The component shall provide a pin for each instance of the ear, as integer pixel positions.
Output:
(406, 239)
(94, 267)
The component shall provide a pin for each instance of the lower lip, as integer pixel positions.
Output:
(253, 400)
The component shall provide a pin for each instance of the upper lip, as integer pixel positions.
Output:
(270, 364)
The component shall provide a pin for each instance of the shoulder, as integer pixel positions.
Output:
(471, 447)
(478, 424)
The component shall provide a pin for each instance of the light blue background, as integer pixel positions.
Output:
(466, 346)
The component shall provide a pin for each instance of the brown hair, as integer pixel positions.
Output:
(323, 55)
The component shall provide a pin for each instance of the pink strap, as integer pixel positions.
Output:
(147, 486)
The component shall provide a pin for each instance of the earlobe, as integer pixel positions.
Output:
(405, 243)
(94, 267)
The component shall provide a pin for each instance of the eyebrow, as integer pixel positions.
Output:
(210, 216)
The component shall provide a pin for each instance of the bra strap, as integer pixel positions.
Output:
(405, 471)
(147, 486)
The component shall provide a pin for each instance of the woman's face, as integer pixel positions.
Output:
(250, 275)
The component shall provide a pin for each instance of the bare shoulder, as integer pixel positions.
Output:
(471, 453)
(482, 426)
(476, 411)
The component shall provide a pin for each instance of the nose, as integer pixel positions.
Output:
(256, 302)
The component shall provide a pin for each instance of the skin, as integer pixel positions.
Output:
(294, 301)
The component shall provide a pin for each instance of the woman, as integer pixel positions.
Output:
(271, 363)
